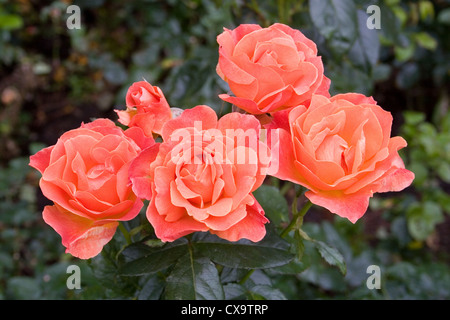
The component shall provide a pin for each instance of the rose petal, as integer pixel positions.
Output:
(355, 98)
(170, 231)
(81, 237)
(282, 164)
(268, 80)
(41, 160)
(243, 103)
(201, 117)
(296, 35)
(242, 30)
(398, 180)
(350, 206)
(247, 44)
(140, 173)
(251, 227)
(224, 222)
(233, 123)
(234, 72)
(142, 140)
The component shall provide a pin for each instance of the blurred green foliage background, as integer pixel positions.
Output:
(53, 78)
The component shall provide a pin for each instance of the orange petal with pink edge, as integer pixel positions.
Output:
(397, 180)
(245, 104)
(224, 222)
(252, 227)
(355, 98)
(41, 159)
(140, 173)
(242, 30)
(201, 117)
(170, 231)
(82, 237)
(350, 206)
(296, 35)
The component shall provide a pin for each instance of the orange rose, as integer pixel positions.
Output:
(85, 174)
(269, 69)
(341, 150)
(202, 176)
(147, 108)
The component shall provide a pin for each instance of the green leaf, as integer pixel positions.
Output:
(390, 26)
(234, 291)
(268, 253)
(331, 235)
(426, 10)
(154, 260)
(403, 54)
(293, 267)
(444, 200)
(443, 170)
(425, 40)
(422, 219)
(408, 75)
(260, 286)
(105, 268)
(399, 231)
(10, 21)
(365, 50)
(267, 292)
(21, 287)
(152, 288)
(331, 255)
(274, 204)
(444, 16)
(194, 279)
(413, 118)
(245, 255)
(347, 78)
(336, 21)
(115, 72)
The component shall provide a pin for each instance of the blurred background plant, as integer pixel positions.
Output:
(53, 78)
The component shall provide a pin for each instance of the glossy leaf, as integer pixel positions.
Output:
(155, 261)
(194, 279)
(293, 267)
(268, 253)
(152, 288)
(365, 50)
(234, 291)
(336, 20)
(274, 204)
(331, 255)
(268, 292)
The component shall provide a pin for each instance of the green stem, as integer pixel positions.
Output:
(247, 275)
(281, 11)
(305, 236)
(296, 218)
(125, 232)
(254, 6)
(286, 187)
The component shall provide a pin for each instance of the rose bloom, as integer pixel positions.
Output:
(341, 150)
(85, 174)
(202, 176)
(147, 108)
(269, 69)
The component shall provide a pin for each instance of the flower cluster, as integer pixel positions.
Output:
(199, 172)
